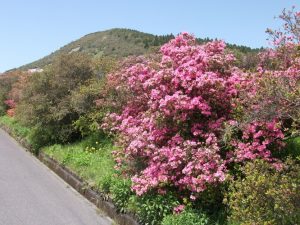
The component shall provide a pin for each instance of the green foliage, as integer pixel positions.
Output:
(86, 124)
(45, 103)
(246, 60)
(264, 195)
(83, 103)
(210, 202)
(120, 190)
(90, 160)
(291, 149)
(16, 128)
(187, 217)
(83, 99)
(41, 136)
(106, 183)
(152, 208)
(103, 65)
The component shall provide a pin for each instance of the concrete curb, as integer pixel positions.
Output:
(100, 200)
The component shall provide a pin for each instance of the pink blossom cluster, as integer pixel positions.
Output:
(178, 209)
(170, 128)
(12, 105)
(256, 140)
(285, 41)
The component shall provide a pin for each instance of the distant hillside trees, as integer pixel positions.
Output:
(120, 43)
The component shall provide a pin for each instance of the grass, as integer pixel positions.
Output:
(16, 128)
(90, 159)
(293, 147)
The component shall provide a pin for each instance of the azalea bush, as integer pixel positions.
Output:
(11, 107)
(7, 80)
(171, 125)
(285, 41)
(275, 91)
(14, 90)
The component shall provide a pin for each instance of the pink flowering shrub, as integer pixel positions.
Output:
(12, 105)
(285, 41)
(276, 95)
(171, 125)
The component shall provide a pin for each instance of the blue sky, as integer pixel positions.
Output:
(31, 29)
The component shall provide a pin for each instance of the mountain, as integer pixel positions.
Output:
(117, 43)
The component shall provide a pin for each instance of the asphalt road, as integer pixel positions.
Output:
(31, 194)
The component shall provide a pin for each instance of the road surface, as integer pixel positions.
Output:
(31, 194)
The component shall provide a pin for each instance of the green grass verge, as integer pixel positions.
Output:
(16, 128)
(91, 160)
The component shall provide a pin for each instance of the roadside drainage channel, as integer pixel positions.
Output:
(79, 185)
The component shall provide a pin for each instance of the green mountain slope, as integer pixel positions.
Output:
(117, 43)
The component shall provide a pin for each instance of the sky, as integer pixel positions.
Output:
(31, 29)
